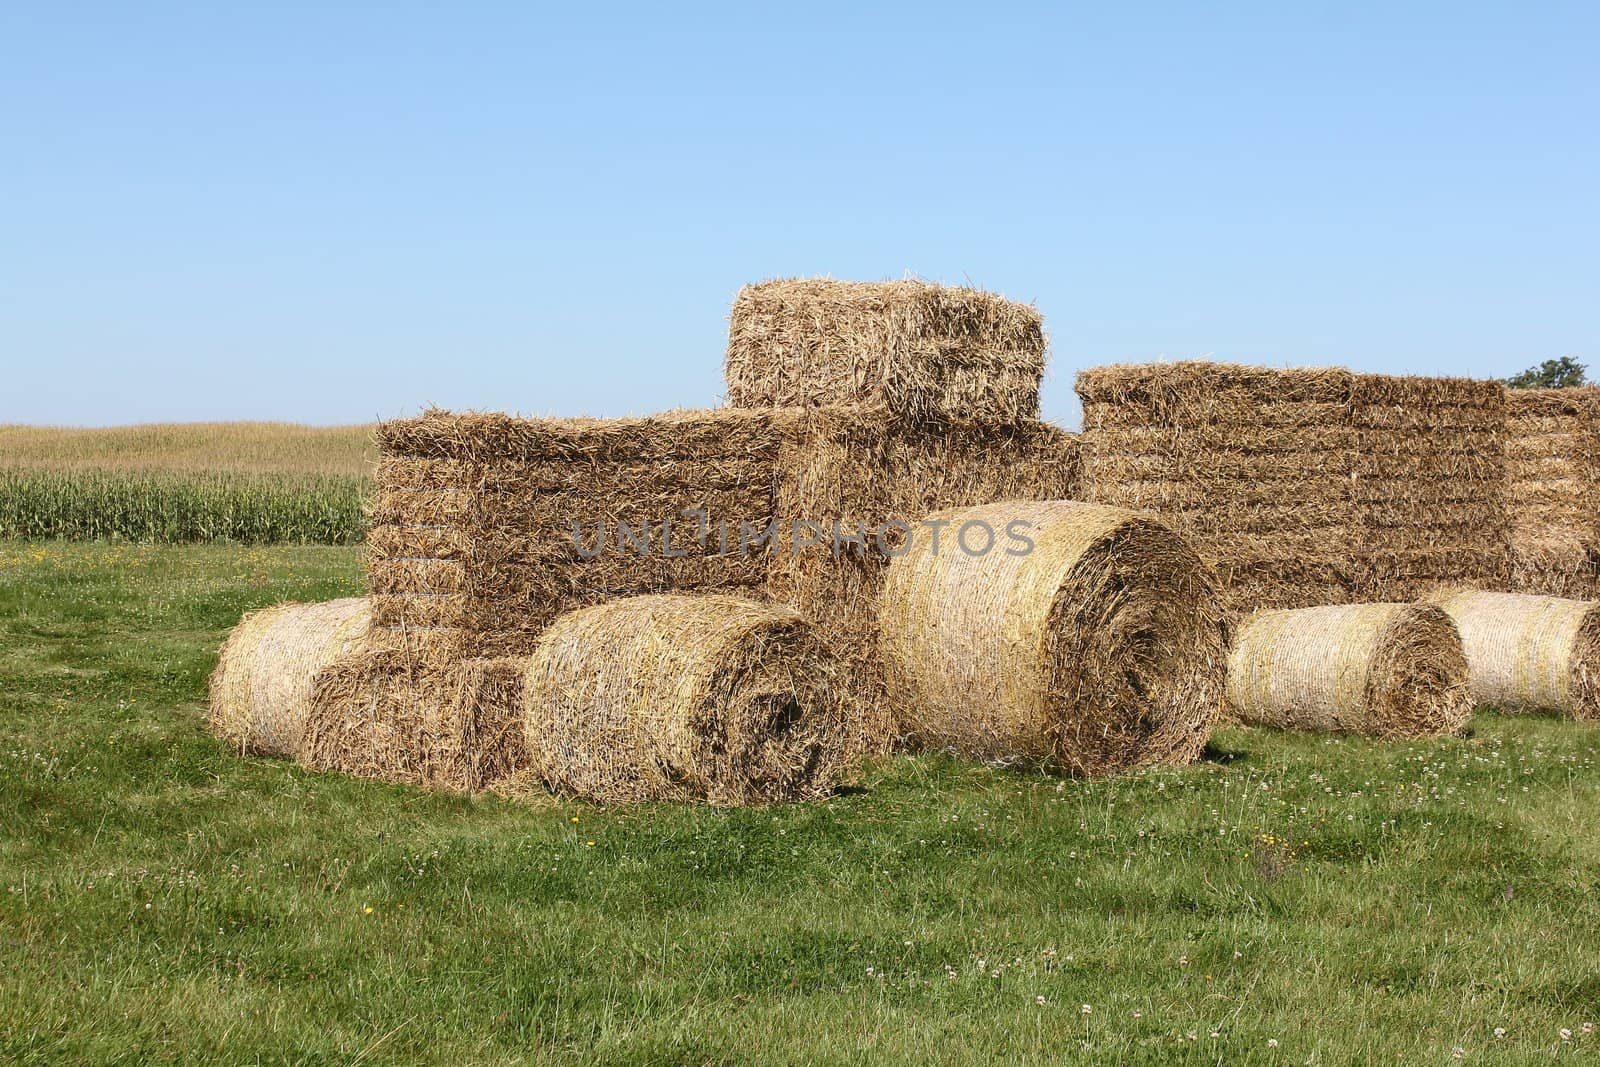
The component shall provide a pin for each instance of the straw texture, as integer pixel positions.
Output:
(261, 688)
(1308, 487)
(1429, 479)
(923, 353)
(1530, 653)
(1252, 465)
(704, 698)
(479, 517)
(1100, 649)
(402, 717)
(1383, 670)
(1553, 457)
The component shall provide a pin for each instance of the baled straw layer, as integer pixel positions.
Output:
(261, 688)
(486, 527)
(1429, 477)
(708, 698)
(1252, 465)
(1307, 487)
(1528, 653)
(923, 353)
(1382, 670)
(1553, 462)
(419, 720)
(1101, 648)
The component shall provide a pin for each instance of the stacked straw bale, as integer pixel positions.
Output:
(1100, 647)
(923, 353)
(1530, 653)
(853, 406)
(1308, 487)
(472, 548)
(1553, 462)
(261, 688)
(934, 392)
(1430, 484)
(1382, 670)
(711, 698)
(1252, 465)
(391, 714)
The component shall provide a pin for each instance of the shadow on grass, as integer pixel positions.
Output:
(1214, 753)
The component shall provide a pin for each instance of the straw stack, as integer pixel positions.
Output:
(1553, 459)
(261, 688)
(1382, 670)
(1529, 653)
(1252, 465)
(1429, 471)
(1308, 487)
(1086, 637)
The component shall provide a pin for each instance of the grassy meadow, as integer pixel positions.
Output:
(1291, 899)
(252, 483)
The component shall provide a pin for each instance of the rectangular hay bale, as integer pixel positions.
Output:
(403, 717)
(1553, 461)
(922, 353)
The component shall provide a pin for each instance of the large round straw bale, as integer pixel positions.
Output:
(674, 697)
(1383, 670)
(1530, 652)
(261, 688)
(1101, 648)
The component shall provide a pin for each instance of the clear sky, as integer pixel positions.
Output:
(332, 212)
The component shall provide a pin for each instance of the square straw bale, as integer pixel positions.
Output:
(920, 352)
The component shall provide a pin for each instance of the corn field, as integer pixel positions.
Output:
(181, 506)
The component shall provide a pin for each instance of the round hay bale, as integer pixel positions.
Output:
(1382, 670)
(261, 688)
(669, 697)
(1100, 649)
(1530, 653)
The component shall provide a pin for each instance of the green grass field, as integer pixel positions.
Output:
(251, 483)
(1289, 900)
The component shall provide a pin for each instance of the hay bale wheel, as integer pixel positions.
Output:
(1530, 653)
(261, 688)
(1382, 670)
(673, 697)
(1100, 649)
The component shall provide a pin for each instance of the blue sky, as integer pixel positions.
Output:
(329, 213)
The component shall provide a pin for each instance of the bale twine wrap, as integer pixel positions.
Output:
(673, 697)
(1383, 670)
(261, 688)
(1529, 652)
(1101, 649)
